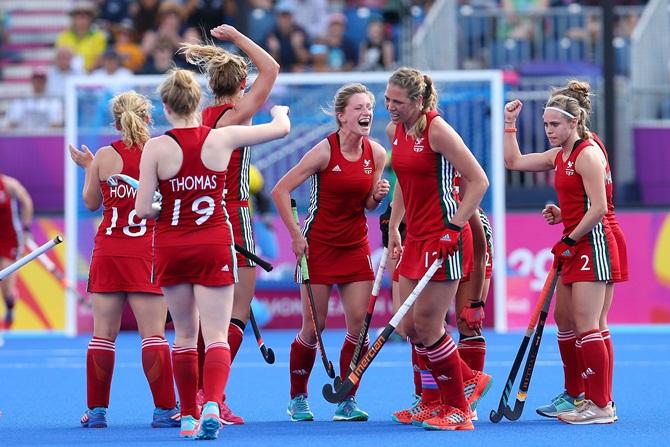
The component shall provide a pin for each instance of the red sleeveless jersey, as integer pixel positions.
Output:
(192, 211)
(572, 198)
(427, 180)
(336, 215)
(9, 223)
(237, 174)
(121, 232)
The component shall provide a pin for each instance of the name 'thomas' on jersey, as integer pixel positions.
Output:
(192, 210)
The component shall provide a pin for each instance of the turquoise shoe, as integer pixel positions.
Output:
(94, 418)
(562, 403)
(298, 409)
(189, 427)
(348, 410)
(209, 421)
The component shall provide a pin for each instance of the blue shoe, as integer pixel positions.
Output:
(563, 403)
(298, 409)
(166, 418)
(209, 421)
(348, 410)
(94, 418)
(189, 427)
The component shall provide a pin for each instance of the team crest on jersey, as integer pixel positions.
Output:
(570, 168)
(418, 145)
(367, 166)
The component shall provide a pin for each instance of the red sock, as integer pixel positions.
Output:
(235, 336)
(201, 357)
(99, 370)
(446, 366)
(301, 361)
(473, 351)
(158, 370)
(467, 373)
(597, 365)
(429, 390)
(216, 371)
(185, 366)
(416, 372)
(347, 353)
(607, 338)
(580, 365)
(572, 377)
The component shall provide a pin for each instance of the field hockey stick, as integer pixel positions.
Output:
(113, 180)
(547, 291)
(368, 316)
(337, 395)
(268, 354)
(55, 271)
(515, 413)
(30, 256)
(547, 288)
(312, 305)
(265, 265)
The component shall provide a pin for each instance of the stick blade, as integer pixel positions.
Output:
(515, 413)
(496, 416)
(268, 355)
(333, 396)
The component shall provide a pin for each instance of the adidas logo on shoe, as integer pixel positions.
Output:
(299, 372)
(443, 378)
(337, 169)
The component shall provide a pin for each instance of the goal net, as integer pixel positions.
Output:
(470, 101)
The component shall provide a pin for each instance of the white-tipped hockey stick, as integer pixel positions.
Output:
(114, 179)
(54, 270)
(337, 395)
(30, 256)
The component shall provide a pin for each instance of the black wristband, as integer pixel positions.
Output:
(26, 228)
(454, 227)
(476, 304)
(567, 240)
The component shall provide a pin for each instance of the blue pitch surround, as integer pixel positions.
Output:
(53, 369)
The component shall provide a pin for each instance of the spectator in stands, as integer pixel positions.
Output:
(520, 25)
(261, 20)
(37, 111)
(312, 16)
(318, 54)
(63, 67)
(83, 36)
(125, 44)
(113, 12)
(160, 61)
(145, 15)
(377, 51)
(341, 52)
(288, 42)
(204, 15)
(111, 66)
(170, 26)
